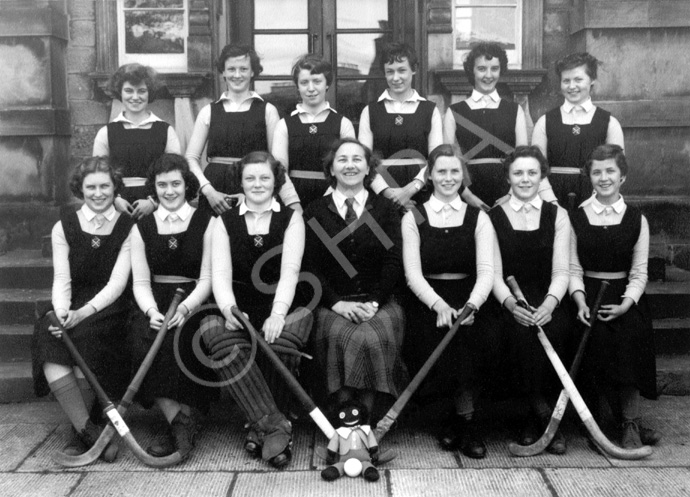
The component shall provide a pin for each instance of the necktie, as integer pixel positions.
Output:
(446, 214)
(98, 221)
(486, 99)
(350, 215)
(172, 217)
(527, 208)
(608, 211)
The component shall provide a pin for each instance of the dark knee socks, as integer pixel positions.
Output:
(67, 393)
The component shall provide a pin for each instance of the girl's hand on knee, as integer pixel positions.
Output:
(273, 327)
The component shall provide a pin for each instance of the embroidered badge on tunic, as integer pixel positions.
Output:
(172, 243)
(576, 130)
(399, 120)
(313, 129)
(258, 241)
(95, 242)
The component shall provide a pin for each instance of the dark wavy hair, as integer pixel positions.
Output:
(134, 74)
(372, 161)
(526, 151)
(261, 157)
(94, 165)
(172, 162)
(578, 59)
(489, 51)
(605, 152)
(396, 51)
(443, 150)
(239, 50)
(315, 65)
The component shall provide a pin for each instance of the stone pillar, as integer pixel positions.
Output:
(34, 120)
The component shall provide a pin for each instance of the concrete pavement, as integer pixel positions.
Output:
(31, 432)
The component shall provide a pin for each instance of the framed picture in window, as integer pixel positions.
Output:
(154, 33)
(498, 21)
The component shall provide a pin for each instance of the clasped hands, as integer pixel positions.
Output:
(357, 312)
(532, 316)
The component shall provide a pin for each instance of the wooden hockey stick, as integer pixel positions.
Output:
(292, 383)
(558, 411)
(585, 415)
(387, 421)
(114, 415)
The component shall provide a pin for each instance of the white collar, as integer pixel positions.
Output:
(587, 106)
(300, 109)
(252, 95)
(151, 119)
(89, 214)
(618, 206)
(477, 96)
(437, 205)
(339, 197)
(516, 204)
(415, 97)
(244, 208)
(183, 212)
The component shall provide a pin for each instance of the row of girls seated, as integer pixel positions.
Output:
(358, 337)
(359, 249)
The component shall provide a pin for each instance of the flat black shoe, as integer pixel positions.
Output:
(252, 444)
(282, 459)
(530, 432)
(472, 444)
(451, 434)
(557, 445)
(161, 448)
(648, 436)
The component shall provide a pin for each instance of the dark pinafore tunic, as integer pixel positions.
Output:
(394, 133)
(620, 352)
(179, 254)
(527, 255)
(101, 338)
(247, 250)
(571, 146)
(134, 150)
(233, 135)
(460, 363)
(487, 176)
(309, 143)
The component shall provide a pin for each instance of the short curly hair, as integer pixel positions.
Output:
(239, 50)
(578, 59)
(396, 51)
(315, 65)
(526, 151)
(94, 165)
(488, 51)
(261, 157)
(372, 160)
(172, 162)
(605, 152)
(134, 74)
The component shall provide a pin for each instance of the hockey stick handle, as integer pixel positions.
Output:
(292, 383)
(575, 366)
(387, 421)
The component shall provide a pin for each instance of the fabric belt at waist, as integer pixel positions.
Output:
(446, 276)
(487, 160)
(307, 174)
(223, 160)
(166, 278)
(565, 170)
(600, 275)
(403, 162)
(134, 181)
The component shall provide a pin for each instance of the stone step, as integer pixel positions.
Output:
(15, 342)
(16, 382)
(18, 305)
(673, 375)
(672, 337)
(669, 299)
(25, 269)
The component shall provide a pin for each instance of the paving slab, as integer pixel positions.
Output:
(669, 415)
(474, 482)
(37, 485)
(647, 482)
(305, 484)
(20, 441)
(32, 413)
(158, 483)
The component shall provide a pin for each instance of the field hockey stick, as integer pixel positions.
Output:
(562, 402)
(585, 415)
(292, 383)
(387, 421)
(109, 409)
(109, 431)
